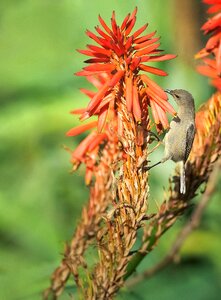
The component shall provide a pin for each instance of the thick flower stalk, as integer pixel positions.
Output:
(114, 153)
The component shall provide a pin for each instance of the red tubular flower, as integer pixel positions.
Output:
(78, 130)
(212, 66)
(216, 6)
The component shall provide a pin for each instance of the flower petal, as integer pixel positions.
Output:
(213, 41)
(202, 53)
(129, 43)
(79, 129)
(82, 148)
(102, 118)
(218, 59)
(163, 118)
(113, 23)
(214, 9)
(129, 92)
(154, 112)
(104, 25)
(97, 141)
(136, 105)
(147, 50)
(116, 78)
(139, 31)
(207, 71)
(95, 81)
(98, 97)
(162, 57)
(106, 100)
(88, 177)
(130, 25)
(144, 38)
(100, 67)
(78, 111)
(90, 94)
(145, 44)
(124, 23)
(153, 70)
(100, 50)
(135, 62)
(95, 37)
(165, 105)
(154, 87)
(103, 34)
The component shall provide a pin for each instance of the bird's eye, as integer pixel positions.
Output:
(178, 96)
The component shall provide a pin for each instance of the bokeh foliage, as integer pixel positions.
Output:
(40, 202)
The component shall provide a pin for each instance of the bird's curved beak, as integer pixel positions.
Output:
(168, 91)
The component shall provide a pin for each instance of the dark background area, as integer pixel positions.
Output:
(40, 201)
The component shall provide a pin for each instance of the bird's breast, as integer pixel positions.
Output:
(175, 142)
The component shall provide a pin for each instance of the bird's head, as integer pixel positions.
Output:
(182, 97)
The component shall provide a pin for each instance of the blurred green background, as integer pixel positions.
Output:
(40, 201)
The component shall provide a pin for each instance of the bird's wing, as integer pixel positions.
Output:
(189, 139)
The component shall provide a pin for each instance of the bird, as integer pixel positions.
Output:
(179, 139)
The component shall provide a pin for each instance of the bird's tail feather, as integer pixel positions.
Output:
(182, 178)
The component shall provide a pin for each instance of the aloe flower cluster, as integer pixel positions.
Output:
(117, 70)
(211, 56)
(211, 53)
